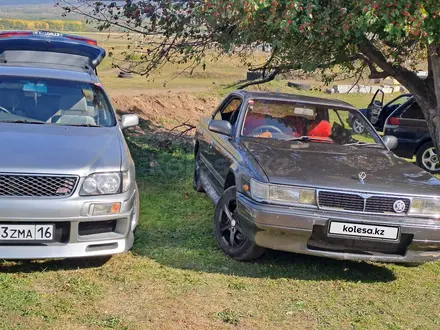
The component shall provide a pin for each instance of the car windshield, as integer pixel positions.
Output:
(283, 120)
(53, 101)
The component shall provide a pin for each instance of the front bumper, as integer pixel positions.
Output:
(304, 231)
(77, 234)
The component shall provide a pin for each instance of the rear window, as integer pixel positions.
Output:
(413, 112)
(53, 101)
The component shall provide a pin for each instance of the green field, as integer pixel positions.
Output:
(221, 75)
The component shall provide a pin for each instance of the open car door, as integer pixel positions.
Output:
(375, 107)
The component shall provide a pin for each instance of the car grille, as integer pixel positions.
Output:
(36, 185)
(360, 203)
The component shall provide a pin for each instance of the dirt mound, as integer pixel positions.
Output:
(166, 110)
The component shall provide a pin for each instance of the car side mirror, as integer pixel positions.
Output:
(129, 121)
(390, 141)
(220, 126)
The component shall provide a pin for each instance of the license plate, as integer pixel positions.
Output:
(355, 229)
(26, 232)
(48, 33)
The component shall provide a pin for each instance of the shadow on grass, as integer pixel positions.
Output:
(175, 229)
(28, 266)
(174, 249)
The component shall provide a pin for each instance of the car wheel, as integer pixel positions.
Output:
(358, 126)
(411, 264)
(428, 159)
(228, 231)
(197, 184)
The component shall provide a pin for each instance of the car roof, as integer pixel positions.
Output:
(49, 73)
(294, 98)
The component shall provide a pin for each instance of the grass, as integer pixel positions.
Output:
(175, 277)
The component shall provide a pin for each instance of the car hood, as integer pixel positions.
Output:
(338, 167)
(55, 149)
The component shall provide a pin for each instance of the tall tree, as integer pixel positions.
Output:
(388, 37)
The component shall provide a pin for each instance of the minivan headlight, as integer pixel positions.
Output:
(425, 207)
(282, 194)
(105, 183)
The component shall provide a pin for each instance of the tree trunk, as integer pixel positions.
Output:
(430, 102)
(434, 123)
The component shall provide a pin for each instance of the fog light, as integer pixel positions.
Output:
(108, 208)
(307, 197)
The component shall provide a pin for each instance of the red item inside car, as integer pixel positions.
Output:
(323, 129)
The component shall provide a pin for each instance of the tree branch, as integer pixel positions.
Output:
(359, 72)
(374, 74)
(373, 54)
(265, 66)
(270, 77)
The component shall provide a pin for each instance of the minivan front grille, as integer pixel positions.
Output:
(22, 185)
(357, 202)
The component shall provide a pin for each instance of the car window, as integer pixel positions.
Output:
(413, 112)
(399, 101)
(230, 111)
(284, 120)
(54, 101)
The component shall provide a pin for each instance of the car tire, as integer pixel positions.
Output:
(427, 158)
(228, 231)
(411, 264)
(357, 126)
(197, 184)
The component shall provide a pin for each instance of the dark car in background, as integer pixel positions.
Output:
(287, 173)
(407, 123)
(377, 112)
(402, 117)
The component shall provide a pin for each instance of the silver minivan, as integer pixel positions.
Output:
(67, 179)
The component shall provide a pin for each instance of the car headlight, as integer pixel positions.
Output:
(282, 194)
(106, 183)
(425, 207)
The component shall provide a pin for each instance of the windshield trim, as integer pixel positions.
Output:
(352, 111)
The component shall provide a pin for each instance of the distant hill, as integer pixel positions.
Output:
(41, 11)
(24, 2)
(34, 10)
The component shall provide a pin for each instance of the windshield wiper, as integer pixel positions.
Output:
(360, 143)
(23, 121)
(306, 138)
(83, 125)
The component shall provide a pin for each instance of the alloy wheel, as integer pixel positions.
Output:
(430, 160)
(230, 229)
(358, 126)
